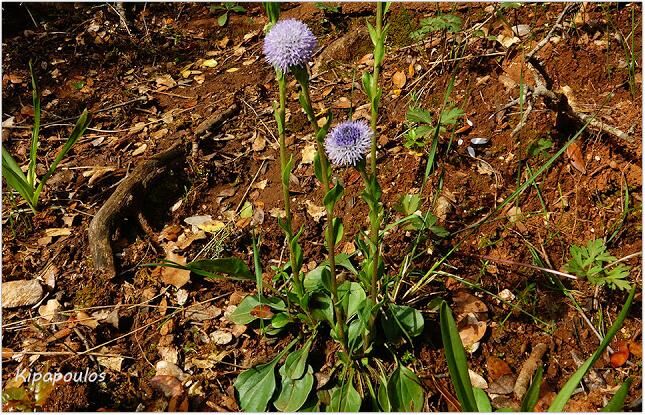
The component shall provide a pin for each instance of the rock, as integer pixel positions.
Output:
(21, 293)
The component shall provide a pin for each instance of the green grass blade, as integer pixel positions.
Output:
(567, 390)
(456, 359)
(35, 132)
(533, 394)
(617, 402)
(15, 178)
(80, 127)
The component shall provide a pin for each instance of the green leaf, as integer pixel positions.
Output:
(539, 147)
(16, 178)
(79, 129)
(255, 386)
(332, 196)
(345, 399)
(318, 168)
(533, 394)
(222, 19)
(373, 34)
(404, 318)
(280, 320)
(273, 10)
(350, 296)
(456, 359)
(408, 204)
(233, 267)
(404, 391)
(338, 227)
(286, 173)
(238, 9)
(383, 399)
(294, 392)
(296, 363)
(451, 115)
(419, 115)
(617, 402)
(35, 132)
(367, 84)
(567, 390)
(321, 307)
(483, 403)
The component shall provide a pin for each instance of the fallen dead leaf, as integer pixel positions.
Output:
(262, 311)
(49, 310)
(620, 355)
(342, 103)
(399, 79)
(165, 82)
(58, 232)
(259, 143)
(308, 154)
(497, 368)
(175, 276)
(574, 153)
(316, 212)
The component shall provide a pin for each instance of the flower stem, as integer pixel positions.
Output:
(375, 222)
(329, 238)
(281, 111)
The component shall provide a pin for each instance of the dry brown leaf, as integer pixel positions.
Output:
(399, 79)
(165, 82)
(574, 153)
(497, 368)
(308, 154)
(261, 311)
(342, 103)
(471, 331)
(467, 303)
(315, 211)
(175, 276)
(259, 143)
(58, 232)
(620, 355)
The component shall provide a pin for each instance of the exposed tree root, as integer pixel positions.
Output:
(128, 196)
(126, 199)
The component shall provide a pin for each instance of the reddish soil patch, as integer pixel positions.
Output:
(84, 58)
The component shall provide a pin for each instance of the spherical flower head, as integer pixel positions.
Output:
(348, 143)
(289, 43)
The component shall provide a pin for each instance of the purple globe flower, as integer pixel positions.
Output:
(348, 142)
(289, 43)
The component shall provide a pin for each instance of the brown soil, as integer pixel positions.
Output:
(83, 58)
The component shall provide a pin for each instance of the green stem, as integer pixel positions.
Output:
(282, 84)
(329, 238)
(375, 223)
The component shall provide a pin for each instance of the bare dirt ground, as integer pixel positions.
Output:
(151, 82)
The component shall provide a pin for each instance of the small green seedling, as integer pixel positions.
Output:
(422, 124)
(594, 263)
(328, 7)
(227, 7)
(441, 23)
(29, 186)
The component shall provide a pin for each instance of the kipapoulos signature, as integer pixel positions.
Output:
(78, 377)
